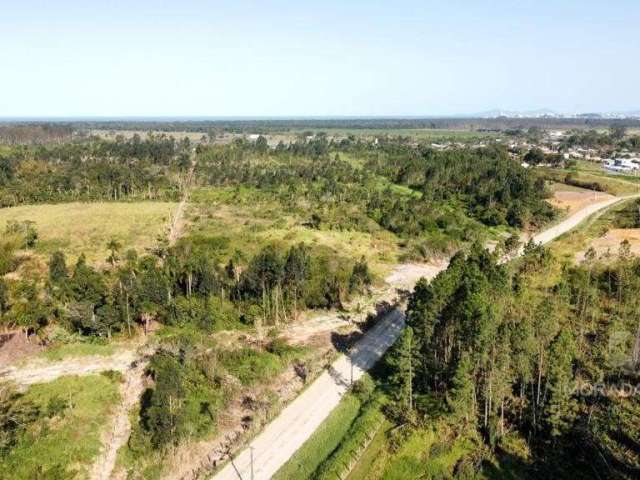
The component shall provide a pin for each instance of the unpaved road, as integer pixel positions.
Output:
(572, 221)
(44, 371)
(177, 224)
(297, 422)
(282, 437)
(130, 391)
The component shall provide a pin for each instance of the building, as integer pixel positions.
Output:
(621, 165)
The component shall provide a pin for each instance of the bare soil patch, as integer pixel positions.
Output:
(573, 200)
(15, 346)
(610, 242)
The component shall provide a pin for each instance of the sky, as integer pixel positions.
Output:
(73, 58)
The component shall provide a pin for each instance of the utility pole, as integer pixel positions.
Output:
(351, 365)
(251, 451)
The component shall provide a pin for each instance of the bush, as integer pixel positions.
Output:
(251, 366)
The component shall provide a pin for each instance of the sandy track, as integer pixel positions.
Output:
(282, 437)
(130, 391)
(43, 371)
(177, 224)
(297, 422)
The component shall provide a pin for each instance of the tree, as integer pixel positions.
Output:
(114, 248)
(58, 268)
(617, 132)
(535, 156)
(401, 362)
(462, 395)
(296, 272)
(4, 297)
(560, 409)
(360, 276)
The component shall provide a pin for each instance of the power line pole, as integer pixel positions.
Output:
(251, 450)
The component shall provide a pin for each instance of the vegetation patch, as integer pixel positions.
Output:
(53, 430)
(87, 228)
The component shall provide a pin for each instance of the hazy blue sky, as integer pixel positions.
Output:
(296, 57)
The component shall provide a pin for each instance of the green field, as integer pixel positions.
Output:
(60, 436)
(246, 219)
(86, 228)
(591, 172)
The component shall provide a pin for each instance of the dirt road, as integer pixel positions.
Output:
(177, 224)
(573, 220)
(45, 371)
(130, 391)
(281, 438)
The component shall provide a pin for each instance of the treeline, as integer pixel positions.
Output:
(132, 169)
(279, 125)
(616, 137)
(31, 134)
(513, 353)
(188, 285)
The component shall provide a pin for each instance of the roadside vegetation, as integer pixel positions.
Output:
(498, 372)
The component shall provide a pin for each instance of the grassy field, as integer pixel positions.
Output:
(80, 349)
(591, 172)
(87, 227)
(244, 219)
(423, 454)
(65, 438)
(323, 441)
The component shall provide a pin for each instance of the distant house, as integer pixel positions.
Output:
(621, 165)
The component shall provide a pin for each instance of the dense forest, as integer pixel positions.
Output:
(531, 353)
(99, 170)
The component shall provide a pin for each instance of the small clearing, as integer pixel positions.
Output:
(573, 200)
(610, 242)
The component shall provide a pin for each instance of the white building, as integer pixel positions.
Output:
(621, 165)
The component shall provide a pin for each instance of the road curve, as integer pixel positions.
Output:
(296, 423)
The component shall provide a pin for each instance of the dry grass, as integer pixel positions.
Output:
(609, 244)
(575, 199)
(86, 228)
(248, 230)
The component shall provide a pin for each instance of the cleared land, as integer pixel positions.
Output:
(243, 219)
(576, 199)
(610, 242)
(87, 227)
(575, 243)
